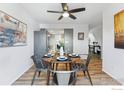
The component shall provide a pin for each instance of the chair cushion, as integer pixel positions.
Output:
(37, 61)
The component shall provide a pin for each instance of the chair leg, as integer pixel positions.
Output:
(70, 66)
(53, 66)
(34, 77)
(48, 77)
(89, 77)
(66, 66)
(39, 73)
(56, 66)
(84, 73)
(75, 78)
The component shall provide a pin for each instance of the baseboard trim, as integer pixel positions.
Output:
(11, 83)
(112, 76)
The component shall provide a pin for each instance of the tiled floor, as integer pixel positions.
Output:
(95, 68)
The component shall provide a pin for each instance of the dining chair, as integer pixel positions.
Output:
(83, 67)
(39, 66)
(64, 77)
(49, 66)
(55, 74)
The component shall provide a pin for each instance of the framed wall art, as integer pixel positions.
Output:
(119, 30)
(80, 36)
(12, 31)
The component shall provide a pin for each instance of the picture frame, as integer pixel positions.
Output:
(13, 32)
(119, 30)
(80, 35)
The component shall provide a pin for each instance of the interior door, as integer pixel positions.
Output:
(40, 42)
(68, 40)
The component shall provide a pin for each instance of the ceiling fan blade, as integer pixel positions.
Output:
(72, 16)
(54, 11)
(64, 6)
(76, 10)
(60, 17)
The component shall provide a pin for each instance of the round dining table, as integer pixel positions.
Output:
(55, 63)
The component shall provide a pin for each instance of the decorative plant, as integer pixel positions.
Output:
(60, 44)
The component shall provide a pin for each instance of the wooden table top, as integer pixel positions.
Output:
(69, 60)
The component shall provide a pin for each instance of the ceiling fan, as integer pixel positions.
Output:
(66, 12)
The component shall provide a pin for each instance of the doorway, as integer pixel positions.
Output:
(57, 38)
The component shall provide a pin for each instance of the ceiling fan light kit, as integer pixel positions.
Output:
(66, 12)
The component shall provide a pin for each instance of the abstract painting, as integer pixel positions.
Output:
(12, 31)
(119, 29)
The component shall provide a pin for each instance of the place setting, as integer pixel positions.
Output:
(48, 55)
(74, 55)
(62, 58)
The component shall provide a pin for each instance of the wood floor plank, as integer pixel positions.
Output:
(95, 69)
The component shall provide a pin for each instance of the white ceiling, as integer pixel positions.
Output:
(92, 15)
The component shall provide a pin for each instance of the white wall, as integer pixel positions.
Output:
(113, 58)
(80, 46)
(14, 61)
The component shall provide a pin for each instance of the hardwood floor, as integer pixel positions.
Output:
(95, 69)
